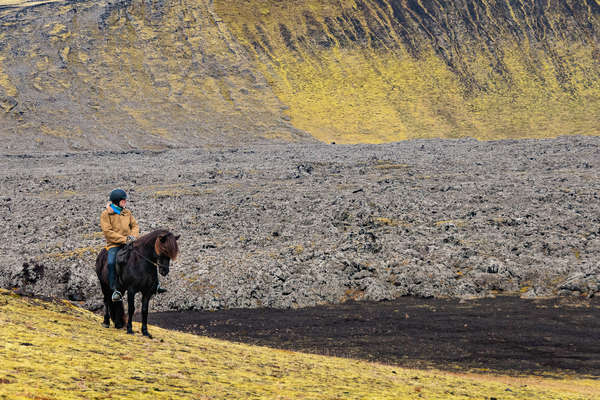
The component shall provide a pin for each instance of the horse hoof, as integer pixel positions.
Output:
(130, 332)
(104, 324)
(149, 336)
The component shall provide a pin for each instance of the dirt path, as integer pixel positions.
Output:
(505, 334)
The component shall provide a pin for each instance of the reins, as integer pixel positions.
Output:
(133, 249)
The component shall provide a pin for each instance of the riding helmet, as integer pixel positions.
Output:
(117, 195)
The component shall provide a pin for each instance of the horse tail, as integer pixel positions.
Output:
(100, 265)
(115, 309)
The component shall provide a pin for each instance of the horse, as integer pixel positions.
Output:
(150, 252)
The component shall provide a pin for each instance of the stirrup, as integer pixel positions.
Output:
(160, 289)
(116, 296)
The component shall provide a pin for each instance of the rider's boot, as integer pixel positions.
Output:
(160, 289)
(116, 296)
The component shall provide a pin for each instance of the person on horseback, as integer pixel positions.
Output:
(119, 228)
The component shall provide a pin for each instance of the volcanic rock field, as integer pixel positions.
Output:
(297, 225)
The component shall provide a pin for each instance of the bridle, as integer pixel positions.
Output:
(133, 249)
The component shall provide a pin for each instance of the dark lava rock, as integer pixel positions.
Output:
(303, 224)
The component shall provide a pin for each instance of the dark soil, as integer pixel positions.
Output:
(503, 334)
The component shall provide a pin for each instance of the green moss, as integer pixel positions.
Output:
(377, 89)
(58, 351)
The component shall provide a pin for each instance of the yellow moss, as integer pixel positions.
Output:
(55, 350)
(60, 31)
(60, 131)
(25, 3)
(455, 222)
(356, 93)
(83, 57)
(229, 62)
(5, 82)
(389, 222)
(64, 54)
(524, 289)
(77, 253)
(95, 235)
(386, 221)
(141, 75)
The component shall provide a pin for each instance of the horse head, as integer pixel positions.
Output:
(166, 249)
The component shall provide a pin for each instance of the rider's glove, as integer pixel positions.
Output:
(130, 239)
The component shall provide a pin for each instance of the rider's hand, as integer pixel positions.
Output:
(130, 239)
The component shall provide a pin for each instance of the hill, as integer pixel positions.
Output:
(135, 74)
(378, 71)
(52, 350)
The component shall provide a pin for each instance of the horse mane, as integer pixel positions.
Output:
(168, 248)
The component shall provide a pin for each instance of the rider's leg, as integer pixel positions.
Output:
(112, 275)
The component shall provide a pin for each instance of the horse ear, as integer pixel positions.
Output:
(177, 237)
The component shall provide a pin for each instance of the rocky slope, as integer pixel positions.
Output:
(138, 74)
(129, 74)
(298, 225)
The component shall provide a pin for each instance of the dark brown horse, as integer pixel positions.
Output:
(147, 254)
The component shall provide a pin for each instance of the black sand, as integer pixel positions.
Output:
(504, 334)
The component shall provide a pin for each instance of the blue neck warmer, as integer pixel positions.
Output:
(116, 209)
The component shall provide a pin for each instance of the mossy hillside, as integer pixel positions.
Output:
(153, 74)
(377, 71)
(53, 350)
(23, 3)
(134, 74)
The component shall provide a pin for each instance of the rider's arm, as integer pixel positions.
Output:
(110, 235)
(135, 229)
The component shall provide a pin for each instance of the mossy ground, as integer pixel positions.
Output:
(53, 350)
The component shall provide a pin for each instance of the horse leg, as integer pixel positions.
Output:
(145, 305)
(106, 322)
(130, 309)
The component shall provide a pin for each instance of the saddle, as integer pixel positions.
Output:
(122, 258)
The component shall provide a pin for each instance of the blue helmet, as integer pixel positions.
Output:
(117, 195)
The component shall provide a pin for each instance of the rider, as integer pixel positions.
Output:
(119, 228)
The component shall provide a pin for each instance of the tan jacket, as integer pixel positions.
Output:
(117, 227)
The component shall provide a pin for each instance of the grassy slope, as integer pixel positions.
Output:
(57, 351)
